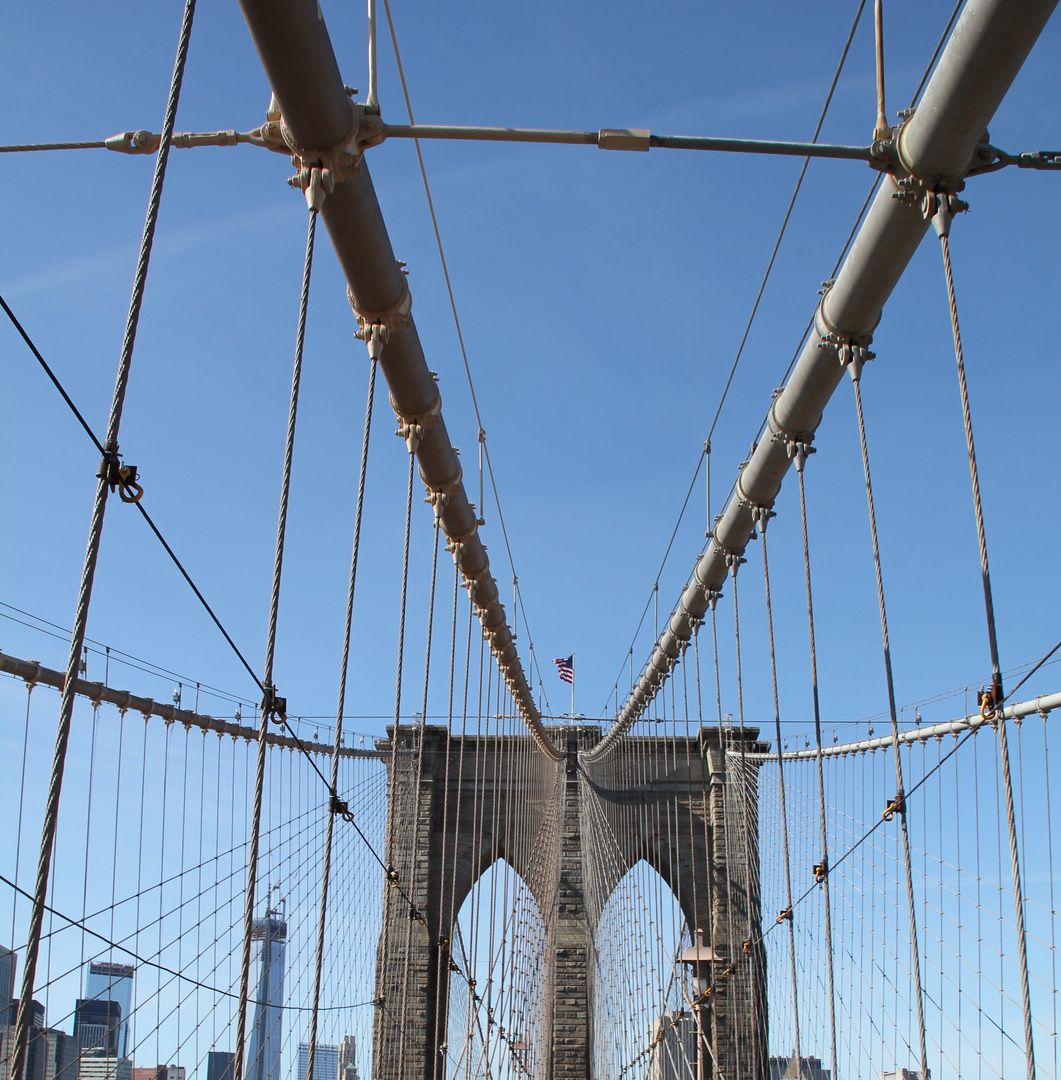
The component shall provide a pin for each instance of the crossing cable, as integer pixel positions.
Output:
(706, 451)
(898, 803)
(109, 466)
(457, 323)
(82, 924)
(823, 867)
(941, 221)
(786, 915)
(858, 221)
(343, 668)
(272, 705)
(128, 486)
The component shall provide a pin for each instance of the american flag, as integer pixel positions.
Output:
(565, 667)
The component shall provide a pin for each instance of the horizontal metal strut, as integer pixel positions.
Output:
(326, 133)
(938, 146)
(632, 139)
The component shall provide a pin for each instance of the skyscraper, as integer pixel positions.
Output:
(263, 1055)
(8, 962)
(325, 1062)
(220, 1065)
(113, 982)
(97, 1025)
(348, 1058)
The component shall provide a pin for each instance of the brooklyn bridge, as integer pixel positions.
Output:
(810, 837)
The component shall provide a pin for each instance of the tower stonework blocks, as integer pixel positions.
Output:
(687, 806)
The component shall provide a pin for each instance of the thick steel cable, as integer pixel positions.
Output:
(269, 707)
(900, 798)
(800, 462)
(88, 573)
(996, 674)
(790, 918)
(343, 667)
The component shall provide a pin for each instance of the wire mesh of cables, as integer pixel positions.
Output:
(966, 930)
(141, 950)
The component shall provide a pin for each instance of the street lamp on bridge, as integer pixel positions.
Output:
(699, 957)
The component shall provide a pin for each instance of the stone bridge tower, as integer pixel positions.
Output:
(684, 805)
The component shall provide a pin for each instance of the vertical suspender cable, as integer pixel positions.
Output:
(899, 803)
(77, 639)
(781, 782)
(269, 702)
(392, 826)
(343, 666)
(881, 130)
(372, 101)
(942, 223)
(801, 458)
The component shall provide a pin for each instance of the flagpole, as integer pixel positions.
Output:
(572, 689)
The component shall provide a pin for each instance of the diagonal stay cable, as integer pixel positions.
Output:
(453, 308)
(788, 370)
(843, 253)
(109, 467)
(755, 309)
(347, 816)
(79, 924)
(139, 505)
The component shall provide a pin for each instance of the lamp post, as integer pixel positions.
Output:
(699, 957)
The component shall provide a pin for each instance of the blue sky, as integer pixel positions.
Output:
(602, 298)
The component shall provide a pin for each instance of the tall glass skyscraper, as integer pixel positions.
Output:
(325, 1062)
(263, 1055)
(113, 982)
(8, 962)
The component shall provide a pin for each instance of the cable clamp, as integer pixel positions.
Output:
(439, 496)
(394, 318)
(797, 443)
(417, 917)
(761, 515)
(412, 428)
(379, 1001)
(337, 806)
(333, 165)
(987, 702)
(134, 142)
(821, 870)
(122, 478)
(852, 350)
(456, 546)
(748, 503)
(784, 916)
(733, 561)
(392, 877)
(274, 706)
(746, 945)
(895, 806)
